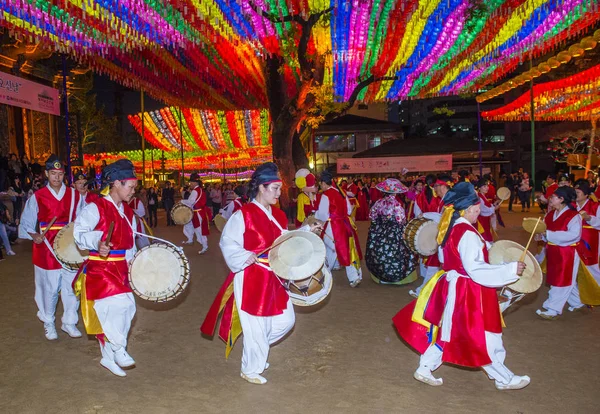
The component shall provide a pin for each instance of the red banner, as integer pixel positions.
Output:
(424, 163)
(23, 93)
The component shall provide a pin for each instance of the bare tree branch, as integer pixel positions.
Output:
(306, 67)
(363, 84)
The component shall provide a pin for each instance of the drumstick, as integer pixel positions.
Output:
(110, 232)
(522, 259)
(48, 227)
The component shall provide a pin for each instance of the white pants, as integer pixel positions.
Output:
(259, 332)
(115, 314)
(432, 359)
(331, 259)
(558, 296)
(47, 285)
(189, 231)
(427, 275)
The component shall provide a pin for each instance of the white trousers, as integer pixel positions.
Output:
(115, 314)
(558, 296)
(259, 332)
(429, 271)
(432, 359)
(331, 259)
(189, 231)
(47, 285)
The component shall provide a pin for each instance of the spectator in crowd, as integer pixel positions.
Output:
(293, 193)
(152, 207)
(14, 166)
(25, 171)
(3, 172)
(19, 199)
(217, 198)
(4, 225)
(168, 199)
(525, 187)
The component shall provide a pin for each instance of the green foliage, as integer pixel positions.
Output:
(98, 131)
(443, 110)
(325, 105)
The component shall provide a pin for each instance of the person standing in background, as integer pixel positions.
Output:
(525, 192)
(168, 198)
(216, 197)
(293, 193)
(152, 207)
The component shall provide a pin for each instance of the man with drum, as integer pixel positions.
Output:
(139, 209)
(456, 318)
(340, 236)
(431, 208)
(234, 205)
(81, 185)
(201, 217)
(53, 206)
(107, 302)
(266, 313)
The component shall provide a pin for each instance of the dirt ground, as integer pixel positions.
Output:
(342, 357)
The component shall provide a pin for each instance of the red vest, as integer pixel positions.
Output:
(91, 197)
(237, 205)
(201, 211)
(559, 259)
(588, 247)
(434, 206)
(341, 227)
(49, 207)
(263, 293)
(550, 190)
(109, 278)
(486, 222)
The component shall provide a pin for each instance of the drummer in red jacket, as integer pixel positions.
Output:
(107, 303)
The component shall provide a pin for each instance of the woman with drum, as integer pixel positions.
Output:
(262, 303)
(388, 258)
(565, 250)
(456, 319)
(107, 303)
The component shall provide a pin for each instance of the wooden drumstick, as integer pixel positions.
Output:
(110, 232)
(522, 259)
(48, 227)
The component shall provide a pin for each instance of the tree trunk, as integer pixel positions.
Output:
(284, 129)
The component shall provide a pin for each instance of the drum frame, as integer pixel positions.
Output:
(177, 207)
(63, 262)
(408, 230)
(184, 278)
(300, 300)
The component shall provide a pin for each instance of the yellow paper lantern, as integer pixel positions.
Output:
(544, 67)
(576, 51)
(535, 73)
(553, 63)
(563, 57)
(596, 35)
(588, 43)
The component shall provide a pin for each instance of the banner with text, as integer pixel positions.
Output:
(394, 164)
(20, 92)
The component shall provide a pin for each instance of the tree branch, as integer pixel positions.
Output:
(363, 84)
(307, 26)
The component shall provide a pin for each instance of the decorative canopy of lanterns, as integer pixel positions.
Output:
(211, 54)
(576, 98)
(203, 131)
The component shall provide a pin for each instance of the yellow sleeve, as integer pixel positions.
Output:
(302, 201)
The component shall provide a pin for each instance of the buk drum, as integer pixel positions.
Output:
(220, 222)
(66, 250)
(181, 214)
(312, 290)
(420, 235)
(159, 272)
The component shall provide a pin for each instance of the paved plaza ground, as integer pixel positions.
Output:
(342, 357)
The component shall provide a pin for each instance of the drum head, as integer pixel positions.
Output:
(159, 273)
(503, 193)
(506, 251)
(181, 214)
(529, 223)
(426, 238)
(297, 255)
(220, 222)
(66, 249)
(316, 291)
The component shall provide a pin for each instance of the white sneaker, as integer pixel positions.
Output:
(413, 294)
(71, 330)
(123, 359)
(50, 331)
(427, 378)
(254, 378)
(267, 365)
(575, 309)
(516, 383)
(187, 242)
(204, 250)
(112, 367)
(355, 283)
(10, 253)
(548, 315)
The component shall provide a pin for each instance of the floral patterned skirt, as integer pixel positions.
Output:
(388, 258)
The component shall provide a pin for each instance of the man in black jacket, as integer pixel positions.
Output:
(168, 199)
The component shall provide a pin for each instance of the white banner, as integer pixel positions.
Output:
(422, 163)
